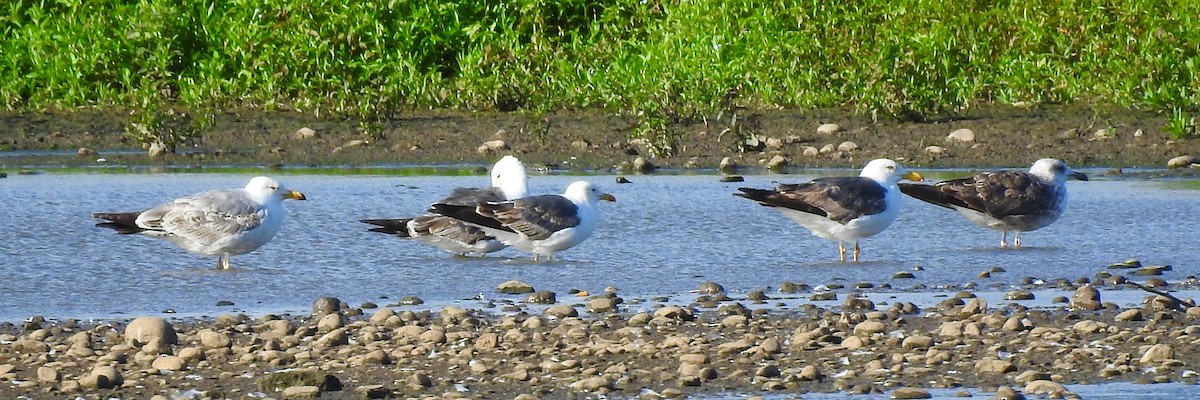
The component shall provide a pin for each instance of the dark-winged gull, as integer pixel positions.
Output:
(841, 208)
(540, 225)
(1007, 201)
(220, 223)
(509, 181)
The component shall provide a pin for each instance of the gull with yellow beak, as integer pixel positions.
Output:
(220, 223)
(841, 208)
(539, 225)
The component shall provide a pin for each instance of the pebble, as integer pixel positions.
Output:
(1046, 387)
(829, 129)
(145, 329)
(304, 133)
(492, 146)
(935, 150)
(847, 146)
(601, 305)
(711, 288)
(541, 297)
(1182, 162)
(169, 363)
(1007, 393)
(728, 165)
(326, 305)
(1156, 354)
(962, 136)
(514, 287)
(561, 311)
(1086, 298)
(642, 165)
(301, 392)
(777, 163)
(810, 151)
(910, 393)
(1019, 295)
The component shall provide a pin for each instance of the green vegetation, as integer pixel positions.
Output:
(656, 61)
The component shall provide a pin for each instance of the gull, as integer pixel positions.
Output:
(841, 208)
(220, 223)
(509, 181)
(1007, 201)
(539, 225)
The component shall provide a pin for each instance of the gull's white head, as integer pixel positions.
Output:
(888, 172)
(263, 189)
(509, 176)
(1055, 170)
(584, 192)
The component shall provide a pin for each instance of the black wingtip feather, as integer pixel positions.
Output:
(391, 226)
(930, 194)
(124, 223)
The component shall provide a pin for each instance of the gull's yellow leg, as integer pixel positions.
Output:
(1003, 239)
(842, 250)
(855, 251)
(1017, 239)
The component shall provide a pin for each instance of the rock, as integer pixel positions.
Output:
(213, 339)
(492, 146)
(1182, 162)
(711, 288)
(810, 373)
(1007, 393)
(301, 392)
(1132, 314)
(145, 329)
(1086, 298)
(85, 152)
(107, 377)
(326, 305)
(168, 363)
(810, 151)
(1157, 354)
(935, 150)
(869, 327)
(994, 366)
(910, 393)
(1019, 295)
(728, 165)
(330, 322)
(1104, 134)
(592, 384)
(304, 133)
(541, 297)
(961, 136)
(157, 149)
(977, 305)
(581, 144)
(777, 162)
(48, 374)
(674, 312)
(514, 287)
(1046, 387)
(420, 380)
(372, 392)
(733, 178)
(847, 146)
(774, 144)
(561, 311)
(642, 165)
(829, 129)
(903, 275)
(918, 342)
(829, 148)
(601, 305)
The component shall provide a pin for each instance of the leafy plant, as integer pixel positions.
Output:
(1181, 126)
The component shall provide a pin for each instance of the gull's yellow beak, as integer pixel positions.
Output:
(913, 176)
(292, 194)
(606, 196)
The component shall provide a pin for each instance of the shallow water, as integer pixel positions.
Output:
(664, 236)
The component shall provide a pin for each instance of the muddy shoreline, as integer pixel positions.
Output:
(599, 142)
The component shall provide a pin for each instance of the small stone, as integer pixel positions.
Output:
(847, 146)
(168, 363)
(330, 322)
(592, 384)
(810, 151)
(728, 165)
(935, 150)
(304, 133)
(903, 275)
(47, 374)
(1086, 298)
(777, 162)
(601, 305)
(1046, 387)
(994, 366)
(810, 373)
(733, 178)
(918, 342)
(711, 288)
(962, 136)
(541, 297)
(561, 311)
(1019, 295)
(829, 129)
(581, 144)
(326, 305)
(301, 392)
(642, 165)
(1104, 134)
(1007, 393)
(869, 327)
(1157, 354)
(85, 152)
(829, 148)
(410, 301)
(910, 393)
(492, 146)
(975, 306)
(373, 392)
(514, 287)
(213, 339)
(623, 180)
(1182, 162)
(145, 329)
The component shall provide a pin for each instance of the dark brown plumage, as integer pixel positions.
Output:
(840, 199)
(124, 223)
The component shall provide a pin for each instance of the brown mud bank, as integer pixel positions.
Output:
(588, 140)
(601, 348)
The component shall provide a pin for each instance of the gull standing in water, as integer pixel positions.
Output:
(509, 181)
(841, 208)
(1007, 201)
(220, 223)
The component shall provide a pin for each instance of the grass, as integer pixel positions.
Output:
(656, 61)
